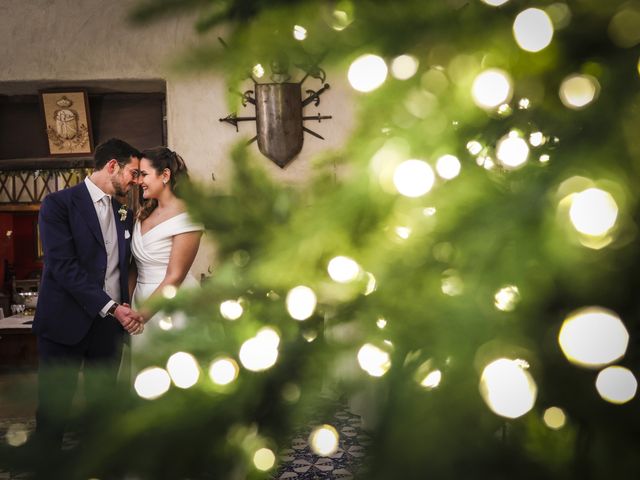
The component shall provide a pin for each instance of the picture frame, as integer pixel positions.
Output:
(67, 122)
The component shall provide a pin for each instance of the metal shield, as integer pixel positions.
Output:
(279, 121)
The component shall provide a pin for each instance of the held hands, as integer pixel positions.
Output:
(131, 320)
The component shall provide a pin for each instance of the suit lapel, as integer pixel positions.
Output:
(82, 200)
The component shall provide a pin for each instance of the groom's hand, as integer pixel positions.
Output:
(131, 320)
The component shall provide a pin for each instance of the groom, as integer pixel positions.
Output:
(82, 313)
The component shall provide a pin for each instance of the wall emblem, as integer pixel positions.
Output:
(279, 112)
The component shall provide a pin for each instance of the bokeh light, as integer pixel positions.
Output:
(495, 3)
(554, 418)
(533, 29)
(301, 302)
(324, 440)
(507, 298)
(536, 139)
(183, 369)
(299, 33)
(17, 434)
(231, 309)
(343, 269)
(474, 147)
(381, 323)
(512, 151)
(593, 337)
(578, 91)
(372, 284)
(258, 71)
(341, 19)
(404, 67)
(223, 370)
(403, 232)
(448, 166)
(491, 88)
(260, 352)
(624, 28)
(367, 73)
(264, 459)
(432, 380)
(413, 178)
(152, 382)
(616, 384)
(169, 291)
(373, 360)
(507, 388)
(593, 212)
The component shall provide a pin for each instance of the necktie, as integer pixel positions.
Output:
(106, 219)
(108, 227)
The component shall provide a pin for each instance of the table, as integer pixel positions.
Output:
(17, 344)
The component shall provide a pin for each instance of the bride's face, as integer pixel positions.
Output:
(150, 182)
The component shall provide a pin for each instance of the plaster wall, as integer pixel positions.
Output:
(67, 40)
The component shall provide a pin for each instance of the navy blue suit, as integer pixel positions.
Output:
(67, 323)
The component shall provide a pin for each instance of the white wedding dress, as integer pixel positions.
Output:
(151, 252)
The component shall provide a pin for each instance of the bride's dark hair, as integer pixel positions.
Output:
(162, 158)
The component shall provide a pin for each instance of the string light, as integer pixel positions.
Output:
(343, 269)
(432, 380)
(593, 212)
(152, 383)
(403, 232)
(260, 352)
(323, 440)
(231, 309)
(413, 178)
(183, 369)
(258, 71)
(495, 3)
(554, 418)
(448, 167)
(507, 388)
(578, 91)
(404, 67)
(474, 147)
(264, 459)
(491, 88)
(512, 151)
(223, 370)
(373, 360)
(593, 337)
(367, 73)
(299, 33)
(616, 385)
(533, 30)
(507, 298)
(301, 302)
(169, 291)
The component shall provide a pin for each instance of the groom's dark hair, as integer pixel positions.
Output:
(114, 148)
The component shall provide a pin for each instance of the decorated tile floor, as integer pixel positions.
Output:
(297, 462)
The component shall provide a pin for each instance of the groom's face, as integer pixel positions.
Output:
(126, 176)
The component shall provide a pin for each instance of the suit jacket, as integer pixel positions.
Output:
(75, 263)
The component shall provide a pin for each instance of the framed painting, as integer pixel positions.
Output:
(67, 122)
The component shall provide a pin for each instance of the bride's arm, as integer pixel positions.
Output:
(133, 278)
(183, 253)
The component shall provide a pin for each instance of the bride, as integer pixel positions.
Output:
(165, 240)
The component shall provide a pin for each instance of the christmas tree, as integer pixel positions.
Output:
(469, 280)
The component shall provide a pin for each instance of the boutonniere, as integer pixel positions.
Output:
(123, 212)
